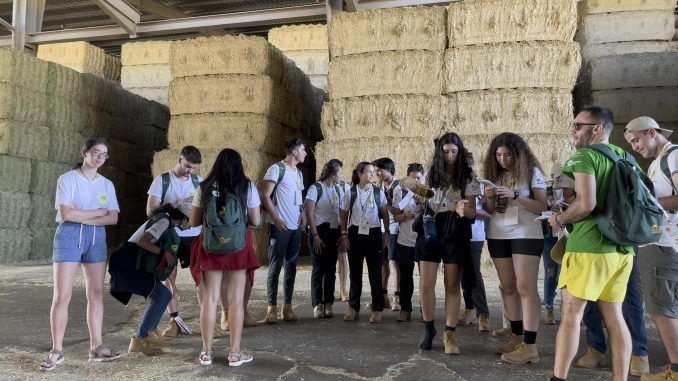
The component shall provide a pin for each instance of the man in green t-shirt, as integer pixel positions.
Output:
(593, 268)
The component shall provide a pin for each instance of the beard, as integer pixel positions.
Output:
(584, 139)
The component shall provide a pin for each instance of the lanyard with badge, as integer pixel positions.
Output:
(364, 223)
(300, 187)
(448, 201)
(333, 198)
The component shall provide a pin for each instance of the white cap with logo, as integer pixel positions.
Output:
(644, 123)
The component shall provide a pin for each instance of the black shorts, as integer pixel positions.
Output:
(184, 252)
(449, 252)
(392, 251)
(505, 248)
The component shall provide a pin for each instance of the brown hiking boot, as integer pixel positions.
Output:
(524, 354)
(639, 366)
(319, 311)
(404, 316)
(451, 347)
(172, 329)
(249, 321)
(271, 315)
(223, 324)
(503, 332)
(288, 314)
(550, 318)
(483, 325)
(351, 315)
(665, 375)
(143, 346)
(328, 311)
(467, 317)
(591, 360)
(375, 317)
(511, 344)
(158, 340)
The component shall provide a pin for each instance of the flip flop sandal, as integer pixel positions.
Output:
(205, 357)
(103, 353)
(237, 359)
(48, 364)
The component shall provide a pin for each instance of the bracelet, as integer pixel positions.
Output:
(558, 221)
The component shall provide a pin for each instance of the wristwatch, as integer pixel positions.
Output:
(515, 194)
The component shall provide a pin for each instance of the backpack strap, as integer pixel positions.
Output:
(319, 189)
(354, 195)
(281, 175)
(611, 154)
(195, 180)
(165, 180)
(664, 165)
(377, 195)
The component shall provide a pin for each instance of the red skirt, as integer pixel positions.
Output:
(245, 259)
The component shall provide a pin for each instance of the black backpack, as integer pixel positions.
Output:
(165, 177)
(168, 241)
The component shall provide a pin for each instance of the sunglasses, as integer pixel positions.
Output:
(577, 126)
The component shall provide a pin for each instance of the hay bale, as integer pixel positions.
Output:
(396, 116)
(67, 115)
(23, 140)
(23, 70)
(145, 53)
(16, 173)
(145, 76)
(634, 70)
(486, 21)
(225, 55)
(82, 57)
(401, 72)
(319, 81)
(627, 104)
(42, 212)
(255, 163)
(626, 26)
(590, 7)
(22, 105)
(311, 62)
(14, 210)
(388, 29)
(519, 111)
(44, 176)
(299, 37)
(64, 83)
(592, 51)
(15, 245)
(42, 241)
(156, 94)
(64, 147)
(551, 64)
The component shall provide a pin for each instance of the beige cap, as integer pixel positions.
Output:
(644, 123)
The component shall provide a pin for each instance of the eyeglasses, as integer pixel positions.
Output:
(98, 154)
(577, 126)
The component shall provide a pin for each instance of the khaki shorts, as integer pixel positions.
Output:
(658, 267)
(596, 277)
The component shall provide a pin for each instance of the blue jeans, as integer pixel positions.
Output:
(283, 250)
(632, 308)
(157, 302)
(551, 271)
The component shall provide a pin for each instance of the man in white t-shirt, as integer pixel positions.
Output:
(659, 264)
(282, 197)
(177, 187)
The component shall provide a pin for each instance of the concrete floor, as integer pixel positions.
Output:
(309, 349)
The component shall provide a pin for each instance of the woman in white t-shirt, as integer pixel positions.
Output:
(515, 240)
(85, 203)
(229, 272)
(322, 211)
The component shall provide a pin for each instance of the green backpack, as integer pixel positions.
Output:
(354, 195)
(169, 241)
(224, 227)
(319, 188)
(630, 215)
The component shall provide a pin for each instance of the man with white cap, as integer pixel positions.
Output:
(659, 267)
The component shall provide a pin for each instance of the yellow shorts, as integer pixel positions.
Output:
(596, 276)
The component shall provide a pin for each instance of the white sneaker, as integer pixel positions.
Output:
(185, 329)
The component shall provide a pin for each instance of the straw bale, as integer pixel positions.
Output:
(609, 6)
(485, 21)
(629, 47)
(388, 29)
(626, 26)
(15, 245)
(397, 116)
(145, 53)
(23, 140)
(44, 176)
(23, 70)
(401, 72)
(145, 76)
(627, 104)
(254, 162)
(299, 37)
(295, 81)
(14, 209)
(63, 82)
(319, 81)
(551, 64)
(82, 57)
(634, 70)
(64, 147)
(42, 211)
(16, 173)
(157, 94)
(311, 62)
(22, 105)
(42, 240)
(225, 55)
(517, 110)
(112, 68)
(65, 114)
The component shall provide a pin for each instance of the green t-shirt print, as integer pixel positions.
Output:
(586, 238)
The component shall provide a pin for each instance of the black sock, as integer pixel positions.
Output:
(674, 367)
(429, 333)
(517, 327)
(554, 378)
(174, 314)
(448, 328)
(385, 292)
(397, 293)
(530, 337)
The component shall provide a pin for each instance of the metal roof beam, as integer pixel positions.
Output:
(122, 13)
(155, 8)
(365, 5)
(6, 26)
(19, 24)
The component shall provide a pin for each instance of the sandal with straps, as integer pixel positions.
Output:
(49, 364)
(237, 359)
(205, 357)
(103, 353)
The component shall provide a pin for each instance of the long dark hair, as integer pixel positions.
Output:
(360, 168)
(330, 169)
(174, 213)
(227, 172)
(89, 143)
(524, 161)
(437, 175)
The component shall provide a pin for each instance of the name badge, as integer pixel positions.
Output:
(103, 198)
(364, 226)
(297, 197)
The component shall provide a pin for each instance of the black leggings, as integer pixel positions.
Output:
(324, 270)
(366, 247)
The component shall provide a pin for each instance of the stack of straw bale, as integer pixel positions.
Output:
(237, 92)
(630, 63)
(145, 69)
(306, 45)
(82, 57)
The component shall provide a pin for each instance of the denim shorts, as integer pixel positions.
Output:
(74, 242)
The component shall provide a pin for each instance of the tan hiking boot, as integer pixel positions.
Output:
(524, 354)
(158, 340)
(451, 347)
(375, 317)
(483, 324)
(639, 366)
(387, 301)
(271, 315)
(404, 316)
(143, 346)
(503, 332)
(287, 313)
(343, 295)
(591, 360)
(395, 306)
(248, 320)
(172, 329)
(550, 318)
(467, 317)
(328, 311)
(351, 315)
(319, 311)
(223, 324)
(665, 375)
(511, 344)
